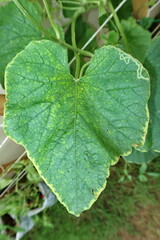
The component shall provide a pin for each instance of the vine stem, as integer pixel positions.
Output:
(70, 8)
(76, 3)
(43, 30)
(51, 20)
(73, 35)
(94, 2)
(119, 26)
(80, 4)
(83, 68)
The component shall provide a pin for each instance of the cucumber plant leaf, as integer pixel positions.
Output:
(139, 39)
(74, 129)
(16, 31)
(152, 64)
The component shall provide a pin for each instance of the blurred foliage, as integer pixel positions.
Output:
(125, 11)
(24, 195)
(138, 38)
(146, 22)
(112, 211)
(112, 38)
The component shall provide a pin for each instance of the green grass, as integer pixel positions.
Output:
(112, 211)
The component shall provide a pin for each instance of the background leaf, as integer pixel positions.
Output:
(16, 31)
(151, 148)
(138, 38)
(141, 157)
(152, 63)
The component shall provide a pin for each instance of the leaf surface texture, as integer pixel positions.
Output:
(74, 129)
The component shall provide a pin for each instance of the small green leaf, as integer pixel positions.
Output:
(138, 38)
(143, 168)
(16, 31)
(112, 38)
(121, 179)
(32, 174)
(153, 174)
(5, 182)
(146, 22)
(142, 178)
(74, 129)
(129, 177)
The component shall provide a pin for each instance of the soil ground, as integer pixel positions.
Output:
(146, 223)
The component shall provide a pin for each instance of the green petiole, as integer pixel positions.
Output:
(51, 19)
(119, 26)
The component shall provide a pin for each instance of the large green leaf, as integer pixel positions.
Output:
(16, 31)
(138, 38)
(74, 130)
(152, 63)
